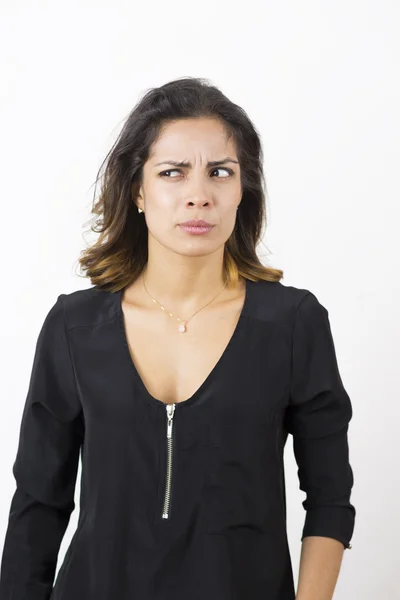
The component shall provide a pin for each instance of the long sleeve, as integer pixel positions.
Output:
(318, 416)
(45, 468)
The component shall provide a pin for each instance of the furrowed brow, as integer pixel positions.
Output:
(212, 163)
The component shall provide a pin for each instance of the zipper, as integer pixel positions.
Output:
(170, 408)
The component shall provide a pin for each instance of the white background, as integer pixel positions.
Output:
(321, 82)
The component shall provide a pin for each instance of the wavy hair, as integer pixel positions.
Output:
(120, 252)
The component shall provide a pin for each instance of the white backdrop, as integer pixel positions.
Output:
(321, 82)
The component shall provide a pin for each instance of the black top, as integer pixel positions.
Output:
(192, 510)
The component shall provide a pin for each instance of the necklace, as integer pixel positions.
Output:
(183, 322)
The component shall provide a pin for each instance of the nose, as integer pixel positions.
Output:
(197, 202)
(198, 193)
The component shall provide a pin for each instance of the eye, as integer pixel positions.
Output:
(169, 171)
(229, 171)
(164, 173)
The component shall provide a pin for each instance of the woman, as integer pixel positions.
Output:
(178, 376)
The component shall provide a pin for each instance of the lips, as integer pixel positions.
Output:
(196, 223)
(196, 227)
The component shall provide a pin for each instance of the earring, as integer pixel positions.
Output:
(139, 210)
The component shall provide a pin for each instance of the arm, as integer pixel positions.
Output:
(318, 416)
(320, 562)
(45, 468)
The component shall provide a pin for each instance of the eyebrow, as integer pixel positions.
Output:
(212, 163)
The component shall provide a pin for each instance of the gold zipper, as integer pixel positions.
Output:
(167, 498)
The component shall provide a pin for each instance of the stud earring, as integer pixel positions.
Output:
(139, 210)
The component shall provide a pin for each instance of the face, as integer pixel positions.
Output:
(171, 194)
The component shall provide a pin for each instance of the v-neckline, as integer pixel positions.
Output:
(211, 375)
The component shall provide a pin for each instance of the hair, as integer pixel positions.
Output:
(120, 252)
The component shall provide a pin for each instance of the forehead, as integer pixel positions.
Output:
(185, 137)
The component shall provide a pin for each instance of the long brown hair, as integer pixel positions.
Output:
(120, 252)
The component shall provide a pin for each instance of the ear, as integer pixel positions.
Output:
(137, 197)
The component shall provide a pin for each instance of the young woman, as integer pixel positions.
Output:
(177, 378)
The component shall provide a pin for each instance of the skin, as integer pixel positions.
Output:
(185, 271)
(320, 564)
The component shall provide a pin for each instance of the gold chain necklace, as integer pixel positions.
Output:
(184, 322)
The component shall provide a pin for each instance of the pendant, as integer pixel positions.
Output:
(182, 327)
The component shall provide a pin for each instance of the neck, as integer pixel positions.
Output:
(184, 287)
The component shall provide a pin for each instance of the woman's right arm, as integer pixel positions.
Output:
(45, 468)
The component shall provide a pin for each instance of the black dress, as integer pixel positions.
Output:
(185, 501)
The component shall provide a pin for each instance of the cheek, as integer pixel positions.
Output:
(160, 196)
(161, 216)
(161, 206)
(159, 221)
(228, 219)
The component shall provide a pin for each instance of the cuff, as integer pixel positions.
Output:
(330, 521)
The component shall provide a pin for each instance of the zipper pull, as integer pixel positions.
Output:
(170, 415)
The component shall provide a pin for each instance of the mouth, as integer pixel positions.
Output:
(196, 223)
(196, 226)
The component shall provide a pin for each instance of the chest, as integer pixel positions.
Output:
(173, 365)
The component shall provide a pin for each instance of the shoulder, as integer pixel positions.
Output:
(87, 307)
(273, 299)
(291, 310)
